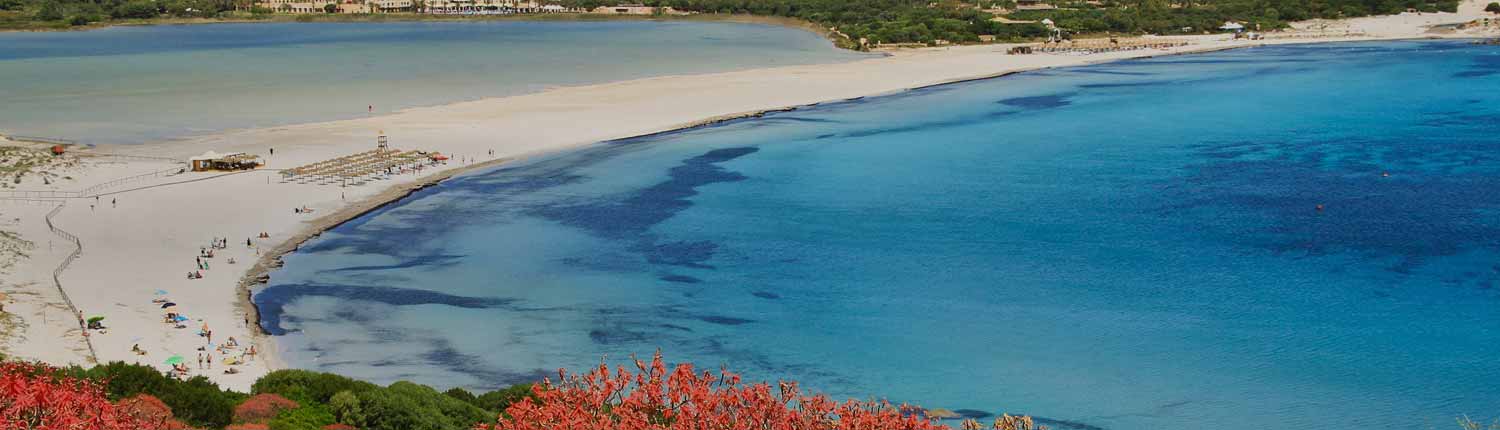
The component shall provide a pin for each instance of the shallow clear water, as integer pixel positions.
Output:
(1125, 246)
(137, 84)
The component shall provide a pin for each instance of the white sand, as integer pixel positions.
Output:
(148, 242)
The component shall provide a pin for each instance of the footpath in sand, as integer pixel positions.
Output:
(141, 237)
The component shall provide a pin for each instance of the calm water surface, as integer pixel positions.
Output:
(1128, 246)
(136, 84)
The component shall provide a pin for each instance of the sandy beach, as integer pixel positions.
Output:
(141, 236)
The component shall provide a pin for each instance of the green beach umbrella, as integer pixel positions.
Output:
(175, 360)
(95, 319)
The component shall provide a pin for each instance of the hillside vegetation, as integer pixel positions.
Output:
(878, 21)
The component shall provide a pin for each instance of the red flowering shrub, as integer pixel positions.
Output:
(683, 399)
(36, 396)
(149, 409)
(262, 408)
(248, 427)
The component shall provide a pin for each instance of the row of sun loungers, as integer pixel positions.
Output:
(356, 169)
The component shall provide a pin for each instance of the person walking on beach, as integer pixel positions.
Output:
(114, 203)
(200, 361)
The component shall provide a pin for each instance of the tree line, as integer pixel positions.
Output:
(877, 21)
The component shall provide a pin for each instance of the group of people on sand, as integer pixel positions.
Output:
(205, 253)
(229, 352)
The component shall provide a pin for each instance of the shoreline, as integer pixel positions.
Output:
(150, 247)
(259, 274)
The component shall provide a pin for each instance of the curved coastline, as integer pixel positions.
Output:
(154, 228)
(259, 273)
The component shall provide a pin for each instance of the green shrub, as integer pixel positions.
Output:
(312, 417)
(346, 409)
(50, 11)
(196, 401)
(135, 9)
(462, 394)
(408, 406)
(78, 20)
(499, 400)
(307, 387)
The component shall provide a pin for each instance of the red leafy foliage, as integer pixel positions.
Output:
(36, 396)
(652, 398)
(262, 408)
(248, 427)
(339, 427)
(149, 409)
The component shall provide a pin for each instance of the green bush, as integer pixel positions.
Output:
(499, 400)
(135, 9)
(408, 406)
(307, 387)
(462, 394)
(346, 409)
(311, 417)
(50, 12)
(196, 401)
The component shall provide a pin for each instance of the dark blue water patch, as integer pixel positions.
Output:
(631, 217)
(635, 214)
(692, 254)
(1137, 84)
(1064, 424)
(1462, 119)
(1050, 101)
(723, 320)
(271, 300)
(442, 353)
(616, 336)
(1485, 65)
(972, 414)
(1413, 217)
(1099, 70)
(675, 327)
(680, 279)
(428, 261)
(766, 295)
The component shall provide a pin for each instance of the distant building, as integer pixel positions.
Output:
(231, 161)
(483, 6)
(635, 9)
(1034, 5)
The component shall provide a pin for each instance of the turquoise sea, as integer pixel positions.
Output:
(1134, 245)
(139, 84)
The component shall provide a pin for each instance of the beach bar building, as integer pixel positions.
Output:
(210, 161)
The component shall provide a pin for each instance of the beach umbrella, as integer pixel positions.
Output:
(181, 318)
(95, 319)
(168, 305)
(174, 360)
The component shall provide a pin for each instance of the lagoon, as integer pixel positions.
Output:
(124, 85)
(1134, 245)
